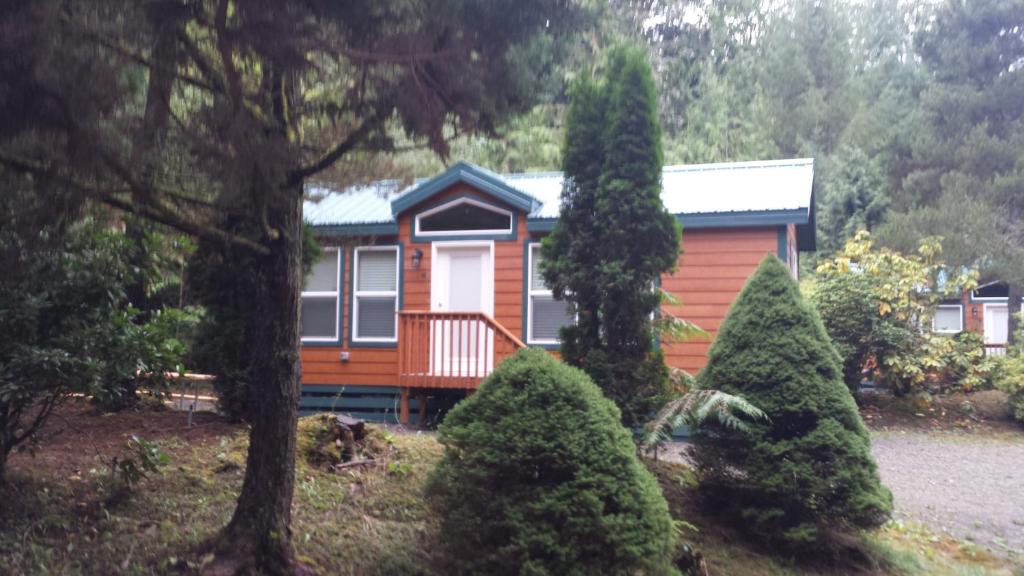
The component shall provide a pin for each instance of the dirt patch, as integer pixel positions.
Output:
(78, 436)
(985, 412)
(57, 516)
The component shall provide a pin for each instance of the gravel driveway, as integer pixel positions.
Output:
(970, 487)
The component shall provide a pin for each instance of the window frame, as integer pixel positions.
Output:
(354, 338)
(960, 315)
(419, 233)
(530, 293)
(324, 294)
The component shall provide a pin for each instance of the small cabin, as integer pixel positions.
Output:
(423, 289)
(985, 311)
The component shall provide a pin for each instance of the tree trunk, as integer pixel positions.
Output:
(3, 455)
(258, 538)
(1013, 311)
(166, 19)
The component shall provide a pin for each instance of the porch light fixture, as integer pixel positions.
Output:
(417, 258)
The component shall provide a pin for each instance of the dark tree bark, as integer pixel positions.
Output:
(1013, 310)
(166, 19)
(259, 534)
(3, 457)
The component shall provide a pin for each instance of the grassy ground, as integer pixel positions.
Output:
(62, 515)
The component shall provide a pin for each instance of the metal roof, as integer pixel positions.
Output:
(762, 187)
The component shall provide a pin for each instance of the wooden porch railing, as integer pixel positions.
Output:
(450, 349)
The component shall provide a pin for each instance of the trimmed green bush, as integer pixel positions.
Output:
(1010, 379)
(809, 469)
(539, 477)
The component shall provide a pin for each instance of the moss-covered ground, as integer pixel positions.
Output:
(62, 514)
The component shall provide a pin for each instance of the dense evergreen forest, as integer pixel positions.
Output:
(913, 111)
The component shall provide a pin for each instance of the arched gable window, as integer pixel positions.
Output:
(464, 217)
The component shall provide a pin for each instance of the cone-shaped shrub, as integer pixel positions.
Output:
(809, 469)
(539, 477)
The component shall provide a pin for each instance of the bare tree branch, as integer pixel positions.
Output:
(142, 60)
(156, 212)
(354, 139)
(226, 57)
(41, 416)
(394, 57)
(204, 66)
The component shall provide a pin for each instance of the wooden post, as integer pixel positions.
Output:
(422, 397)
(403, 414)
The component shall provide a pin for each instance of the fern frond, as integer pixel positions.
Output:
(696, 409)
(672, 328)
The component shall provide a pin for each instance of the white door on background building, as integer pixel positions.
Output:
(996, 323)
(462, 280)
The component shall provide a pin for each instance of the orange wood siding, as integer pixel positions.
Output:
(366, 366)
(379, 366)
(508, 266)
(713, 268)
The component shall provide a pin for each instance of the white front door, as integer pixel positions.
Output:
(997, 322)
(462, 280)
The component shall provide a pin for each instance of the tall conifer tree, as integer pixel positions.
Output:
(196, 114)
(614, 238)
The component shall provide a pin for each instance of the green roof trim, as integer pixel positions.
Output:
(540, 224)
(709, 220)
(472, 175)
(741, 219)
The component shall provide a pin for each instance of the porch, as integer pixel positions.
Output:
(448, 350)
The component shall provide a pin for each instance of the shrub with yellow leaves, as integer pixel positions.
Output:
(877, 305)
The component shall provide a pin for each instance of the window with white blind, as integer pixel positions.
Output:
(375, 294)
(949, 319)
(318, 318)
(545, 315)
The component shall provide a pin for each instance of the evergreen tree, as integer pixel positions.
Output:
(538, 477)
(614, 238)
(853, 198)
(188, 113)
(967, 176)
(577, 231)
(809, 468)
